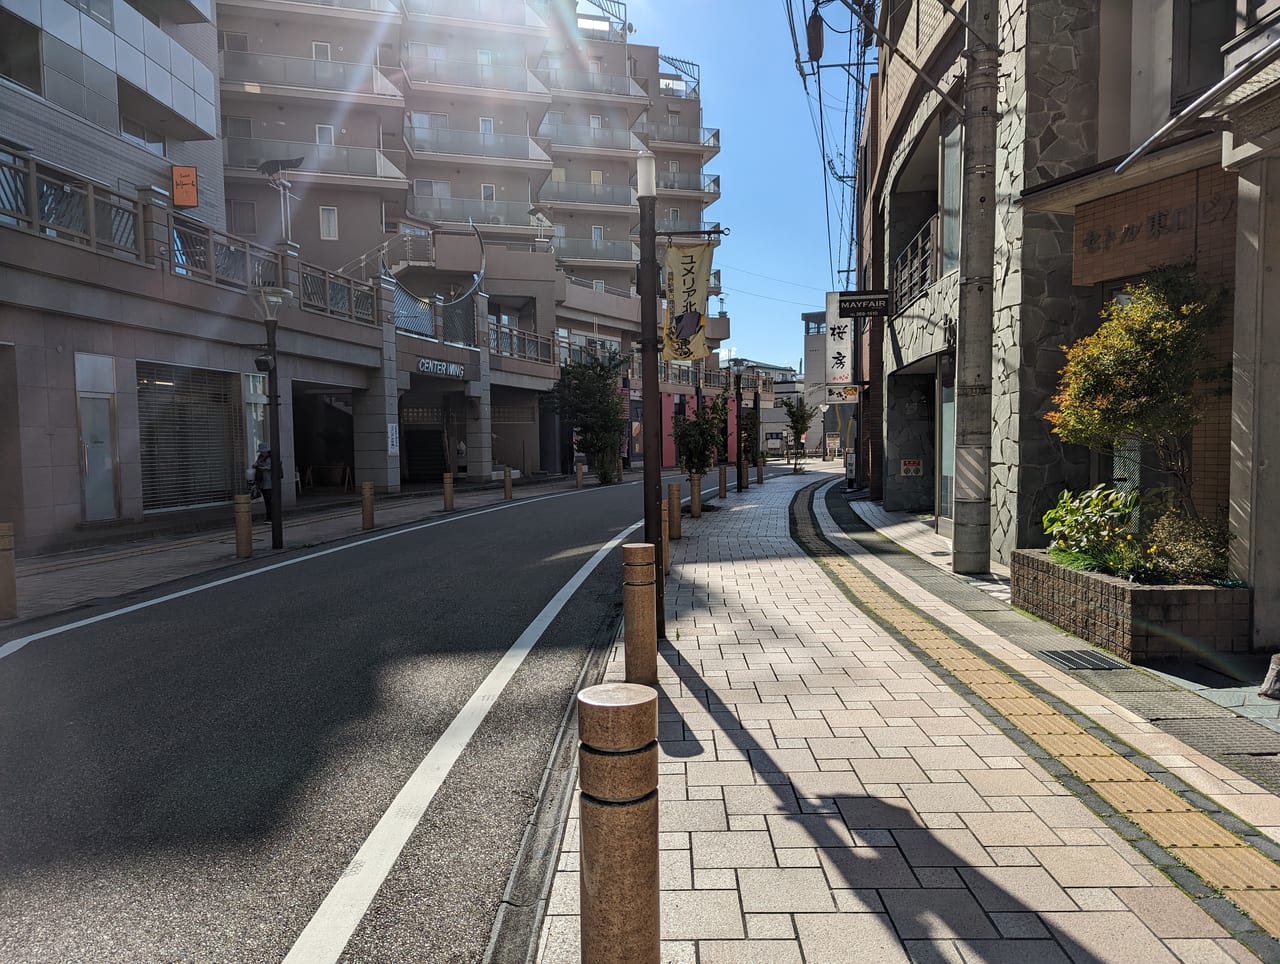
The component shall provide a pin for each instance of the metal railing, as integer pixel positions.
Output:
(671, 87)
(916, 266)
(587, 250)
(300, 72)
(687, 181)
(600, 138)
(669, 134)
(489, 11)
(250, 152)
(457, 209)
(524, 345)
(200, 252)
(596, 286)
(666, 224)
(584, 193)
(377, 6)
(467, 73)
(436, 140)
(332, 294)
(588, 81)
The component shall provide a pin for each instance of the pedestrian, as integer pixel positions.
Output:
(262, 474)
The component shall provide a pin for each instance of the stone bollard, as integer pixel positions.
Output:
(724, 481)
(577, 470)
(618, 820)
(666, 540)
(9, 576)
(244, 527)
(639, 614)
(695, 497)
(506, 483)
(366, 505)
(619, 469)
(759, 473)
(448, 492)
(673, 510)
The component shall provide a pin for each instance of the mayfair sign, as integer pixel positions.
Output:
(433, 366)
(855, 304)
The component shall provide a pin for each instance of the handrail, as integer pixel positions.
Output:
(915, 268)
(607, 289)
(524, 345)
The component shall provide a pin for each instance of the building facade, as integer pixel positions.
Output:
(447, 187)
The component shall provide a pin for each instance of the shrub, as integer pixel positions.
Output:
(1188, 548)
(1091, 522)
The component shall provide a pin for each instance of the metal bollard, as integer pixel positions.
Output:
(673, 510)
(666, 540)
(724, 481)
(244, 527)
(506, 483)
(9, 575)
(759, 473)
(695, 497)
(448, 492)
(577, 470)
(618, 817)
(366, 505)
(639, 614)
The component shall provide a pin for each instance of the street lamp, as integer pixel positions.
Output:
(738, 365)
(651, 411)
(267, 303)
(823, 409)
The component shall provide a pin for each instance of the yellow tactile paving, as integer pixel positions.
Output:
(1221, 859)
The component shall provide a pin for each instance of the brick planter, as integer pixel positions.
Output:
(1135, 622)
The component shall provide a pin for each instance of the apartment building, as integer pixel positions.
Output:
(447, 186)
(1110, 162)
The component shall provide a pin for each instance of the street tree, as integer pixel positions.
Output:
(800, 415)
(699, 436)
(588, 397)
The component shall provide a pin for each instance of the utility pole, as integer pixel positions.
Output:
(971, 544)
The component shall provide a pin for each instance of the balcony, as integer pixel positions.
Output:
(514, 13)
(584, 249)
(434, 72)
(668, 226)
(462, 210)
(707, 139)
(915, 268)
(589, 82)
(594, 138)
(576, 192)
(358, 6)
(522, 345)
(436, 140)
(249, 152)
(321, 75)
(678, 87)
(687, 181)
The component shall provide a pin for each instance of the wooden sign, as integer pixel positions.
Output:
(186, 187)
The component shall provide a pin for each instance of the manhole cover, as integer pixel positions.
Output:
(1083, 659)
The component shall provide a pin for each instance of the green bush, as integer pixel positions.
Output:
(1089, 523)
(1187, 548)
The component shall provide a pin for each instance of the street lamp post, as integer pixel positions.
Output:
(647, 289)
(738, 364)
(268, 302)
(759, 436)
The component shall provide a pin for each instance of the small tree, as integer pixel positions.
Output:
(750, 436)
(589, 399)
(800, 415)
(1140, 377)
(698, 436)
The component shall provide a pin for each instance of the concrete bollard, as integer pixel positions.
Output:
(448, 492)
(244, 527)
(639, 614)
(506, 483)
(759, 473)
(618, 817)
(695, 497)
(366, 505)
(673, 510)
(666, 540)
(577, 470)
(9, 575)
(724, 481)
(619, 469)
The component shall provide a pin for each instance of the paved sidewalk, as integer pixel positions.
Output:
(826, 796)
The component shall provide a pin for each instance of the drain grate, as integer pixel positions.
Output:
(1083, 659)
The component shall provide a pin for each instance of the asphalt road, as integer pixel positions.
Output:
(189, 781)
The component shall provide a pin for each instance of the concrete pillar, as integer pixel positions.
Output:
(479, 407)
(577, 471)
(506, 482)
(448, 492)
(375, 419)
(9, 575)
(673, 510)
(695, 497)
(639, 614)
(366, 505)
(155, 232)
(724, 481)
(244, 527)
(618, 810)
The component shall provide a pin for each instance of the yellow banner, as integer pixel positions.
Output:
(688, 274)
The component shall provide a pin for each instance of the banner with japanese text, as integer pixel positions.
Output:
(839, 344)
(688, 274)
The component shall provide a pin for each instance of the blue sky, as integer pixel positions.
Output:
(775, 262)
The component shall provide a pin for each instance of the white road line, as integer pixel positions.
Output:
(11, 647)
(325, 937)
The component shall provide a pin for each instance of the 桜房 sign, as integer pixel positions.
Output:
(688, 275)
(839, 343)
(434, 366)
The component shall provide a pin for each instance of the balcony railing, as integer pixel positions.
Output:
(584, 249)
(377, 6)
(589, 81)
(463, 209)
(466, 73)
(600, 286)
(672, 87)
(454, 324)
(250, 152)
(488, 11)
(308, 74)
(600, 138)
(524, 345)
(688, 181)
(435, 140)
(916, 267)
(708, 137)
(666, 224)
(583, 193)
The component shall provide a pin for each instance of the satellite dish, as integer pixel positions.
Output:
(285, 164)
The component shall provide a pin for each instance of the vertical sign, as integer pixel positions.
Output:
(186, 187)
(393, 438)
(839, 344)
(688, 273)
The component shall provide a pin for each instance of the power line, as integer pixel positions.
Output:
(769, 277)
(739, 291)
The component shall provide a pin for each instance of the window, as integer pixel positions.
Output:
(596, 121)
(597, 178)
(426, 188)
(20, 52)
(552, 61)
(595, 66)
(598, 285)
(555, 118)
(673, 167)
(324, 135)
(227, 40)
(236, 126)
(488, 192)
(1200, 28)
(150, 140)
(328, 224)
(674, 214)
(557, 175)
(320, 50)
(597, 232)
(486, 125)
(484, 58)
(242, 218)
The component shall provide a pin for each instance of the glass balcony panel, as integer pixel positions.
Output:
(688, 181)
(668, 134)
(301, 72)
(433, 140)
(588, 193)
(602, 138)
(586, 249)
(559, 78)
(464, 73)
(249, 152)
(461, 209)
(490, 11)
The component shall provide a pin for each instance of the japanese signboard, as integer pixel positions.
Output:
(186, 187)
(858, 304)
(840, 395)
(839, 343)
(688, 272)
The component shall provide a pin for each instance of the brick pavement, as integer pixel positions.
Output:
(827, 796)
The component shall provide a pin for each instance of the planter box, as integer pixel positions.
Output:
(1135, 622)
